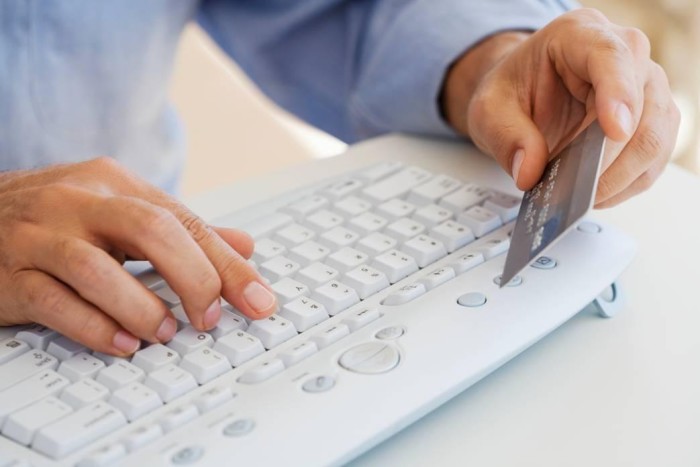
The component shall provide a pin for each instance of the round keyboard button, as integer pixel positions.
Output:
(472, 299)
(371, 358)
(544, 262)
(240, 427)
(514, 282)
(319, 384)
(188, 455)
(390, 333)
(589, 227)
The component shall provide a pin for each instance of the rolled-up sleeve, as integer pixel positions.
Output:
(358, 69)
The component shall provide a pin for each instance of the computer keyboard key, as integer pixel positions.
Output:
(465, 197)
(109, 359)
(342, 188)
(434, 189)
(142, 436)
(308, 252)
(425, 250)
(80, 367)
(480, 220)
(228, 322)
(453, 235)
(265, 225)
(366, 280)
(494, 247)
(405, 294)
(26, 365)
(272, 331)
(472, 300)
(135, 400)
(120, 374)
(84, 392)
(278, 268)
(262, 371)
(396, 185)
(178, 417)
(289, 289)
(395, 264)
(170, 382)
(317, 274)
(205, 364)
(437, 277)
(239, 347)
(22, 425)
(404, 229)
(24, 393)
(298, 353)
(466, 261)
(304, 313)
(376, 243)
(78, 429)
(370, 358)
(504, 205)
(189, 339)
(339, 237)
(213, 398)
(294, 234)
(346, 259)
(330, 335)
(432, 215)
(323, 220)
(64, 348)
(367, 223)
(381, 170)
(105, 456)
(352, 206)
(360, 318)
(155, 356)
(266, 249)
(305, 206)
(12, 348)
(396, 209)
(335, 296)
(168, 295)
(37, 336)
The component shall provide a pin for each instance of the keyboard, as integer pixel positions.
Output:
(386, 261)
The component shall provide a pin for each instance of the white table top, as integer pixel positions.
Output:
(618, 392)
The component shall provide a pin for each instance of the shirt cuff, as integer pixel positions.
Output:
(400, 86)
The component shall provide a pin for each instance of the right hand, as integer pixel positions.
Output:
(64, 232)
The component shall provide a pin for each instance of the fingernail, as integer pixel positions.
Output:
(517, 162)
(258, 297)
(212, 315)
(125, 342)
(167, 329)
(624, 119)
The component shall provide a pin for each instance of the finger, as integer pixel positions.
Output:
(54, 305)
(509, 135)
(143, 230)
(237, 239)
(641, 184)
(100, 280)
(653, 141)
(593, 52)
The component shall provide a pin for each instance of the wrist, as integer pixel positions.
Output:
(465, 74)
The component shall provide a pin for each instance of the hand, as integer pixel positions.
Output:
(64, 232)
(520, 97)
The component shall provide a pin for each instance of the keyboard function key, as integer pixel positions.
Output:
(12, 348)
(330, 335)
(466, 261)
(381, 170)
(142, 436)
(213, 398)
(305, 206)
(438, 277)
(361, 318)
(342, 188)
(405, 294)
(434, 189)
(299, 352)
(179, 417)
(262, 371)
(335, 296)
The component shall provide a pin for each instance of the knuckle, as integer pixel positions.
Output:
(606, 187)
(50, 300)
(638, 41)
(105, 163)
(156, 221)
(648, 144)
(198, 229)
(83, 265)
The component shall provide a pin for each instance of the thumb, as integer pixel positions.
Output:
(501, 128)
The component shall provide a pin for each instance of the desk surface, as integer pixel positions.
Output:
(618, 392)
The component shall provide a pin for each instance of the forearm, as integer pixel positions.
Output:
(465, 74)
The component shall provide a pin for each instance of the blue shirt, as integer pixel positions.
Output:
(81, 78)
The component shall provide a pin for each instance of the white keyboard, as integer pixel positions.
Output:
(387, 277)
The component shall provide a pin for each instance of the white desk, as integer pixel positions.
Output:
(619, 392)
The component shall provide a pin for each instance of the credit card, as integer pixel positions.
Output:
(564, 194)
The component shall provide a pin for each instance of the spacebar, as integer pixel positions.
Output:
(78, 429)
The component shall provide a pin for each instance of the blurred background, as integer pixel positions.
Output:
(235, 132)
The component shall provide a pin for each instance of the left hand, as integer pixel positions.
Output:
(520, 96)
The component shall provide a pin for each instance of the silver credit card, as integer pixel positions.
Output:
(564, 194)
